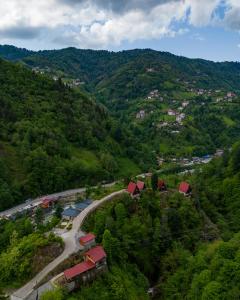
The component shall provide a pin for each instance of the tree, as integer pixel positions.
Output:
(58, 211)
(156, 236)
(107, 244)
(121, 213)
(154, 181)
(39, 216)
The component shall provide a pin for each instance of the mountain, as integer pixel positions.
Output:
(13, 53)
(142, 87)
(54, 138)
(130, 73)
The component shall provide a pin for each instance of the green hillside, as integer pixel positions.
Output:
(123, 82)
(53, 138)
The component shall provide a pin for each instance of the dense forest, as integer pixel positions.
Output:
(53, 138)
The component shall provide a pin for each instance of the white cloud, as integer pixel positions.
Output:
(105, 23)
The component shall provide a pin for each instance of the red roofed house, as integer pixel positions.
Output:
(185, 188)
(47, 202)
(94, 263)
(96, 255)
(161, 185)
(87, 241)
(133, 188)
(78, 269)
(141, 185)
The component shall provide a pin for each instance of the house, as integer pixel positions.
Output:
(94, 264)
(180, 117)
(96, 255)
(78, 270)
(185, 103)
(80, 206)
(230, 95)
(219, 153)
(133, 189)
(47, 202)
(161, 185)
(141, 185)
(88, 240)
(172, 112)
(185, 188)
(87, 201)
(141, 114)
(70, 213)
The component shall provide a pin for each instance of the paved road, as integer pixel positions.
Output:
(15, 209)
(71, 246)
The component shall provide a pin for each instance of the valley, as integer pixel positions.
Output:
(158, 131)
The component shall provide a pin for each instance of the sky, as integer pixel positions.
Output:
(208, 29)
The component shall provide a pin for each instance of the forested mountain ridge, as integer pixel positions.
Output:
(145, 90)
(53, 138)
(133, 72)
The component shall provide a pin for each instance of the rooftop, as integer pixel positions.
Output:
(78, 269)
(96, 254)
(70, 212)
(87, 238)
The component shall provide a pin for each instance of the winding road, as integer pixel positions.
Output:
(27, 292)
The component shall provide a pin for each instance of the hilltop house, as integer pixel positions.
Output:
(185, 188)
(141, 185)
(88, 240)
(132, 189)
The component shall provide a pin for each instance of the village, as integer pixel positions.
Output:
(166, 112)
(92, 256)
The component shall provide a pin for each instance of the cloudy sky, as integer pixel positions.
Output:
(195, 28)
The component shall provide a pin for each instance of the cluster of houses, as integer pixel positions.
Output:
(135, 188)
(154, 95)
(93, 265)
(197, 160)
(47, 204)
(179, 116)
(229, 97)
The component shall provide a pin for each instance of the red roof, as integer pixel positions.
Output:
(132, 188)
(141, 185)
(161, 184)
(78, 269)
(96, 254)
(87, 238)
(184, 187)
(46, 201)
